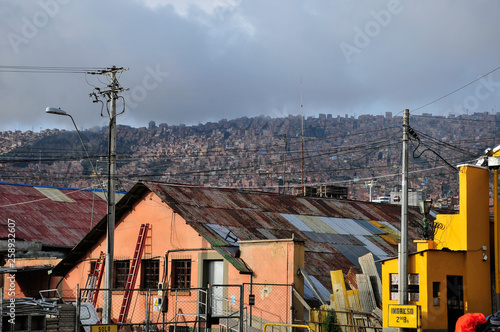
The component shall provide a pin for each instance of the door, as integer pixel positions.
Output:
(455, 299)
(214, 275)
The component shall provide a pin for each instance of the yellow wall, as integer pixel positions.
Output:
(464, 235)
(468, 230)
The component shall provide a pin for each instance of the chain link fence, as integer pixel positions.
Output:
(246, 307)
(180, 310)
(269, 303)
(344, 321)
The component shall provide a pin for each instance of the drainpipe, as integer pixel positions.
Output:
(251, 288)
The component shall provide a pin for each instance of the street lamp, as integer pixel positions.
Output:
(59, 111)
(425, 207)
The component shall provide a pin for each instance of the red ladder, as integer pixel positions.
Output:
(99, 269)
(94, 281)
(132, 276)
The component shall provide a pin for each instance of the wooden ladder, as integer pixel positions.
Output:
(94, 281)
(132, 276)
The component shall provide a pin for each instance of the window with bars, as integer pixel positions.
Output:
(150, 273)
(120, 273)
(413, 287)
(181, 273)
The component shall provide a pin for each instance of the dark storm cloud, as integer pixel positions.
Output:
(198, 61)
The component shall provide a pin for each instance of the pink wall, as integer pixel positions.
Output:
(272, 261)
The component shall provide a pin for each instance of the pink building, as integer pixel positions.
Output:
(260, 256)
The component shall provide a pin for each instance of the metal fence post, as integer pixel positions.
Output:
(1, 309)
(148, 303)
(242, 298)
(77, 306)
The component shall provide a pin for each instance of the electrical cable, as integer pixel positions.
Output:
(417, 139)
(456, 90)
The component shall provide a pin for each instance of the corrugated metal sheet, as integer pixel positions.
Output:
(52, 216)
(366, 224)
(317, 224)
(377, 252)
(347, 239)
(346, 226)
(353, 297)
(295, 221)
(369, 268)
(266, 233)
(55, 194)
(366, 295)
(352, 253)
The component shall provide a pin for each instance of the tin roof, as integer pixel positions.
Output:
(51, 216)
(335, 232)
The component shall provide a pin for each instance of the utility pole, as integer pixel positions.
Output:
(110, 95)
(403, 245)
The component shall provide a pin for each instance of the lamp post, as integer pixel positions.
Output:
(425, 207)
(59, 111)
(110, 198)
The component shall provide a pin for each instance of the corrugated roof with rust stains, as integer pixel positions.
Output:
(52, 216)
(336, 232)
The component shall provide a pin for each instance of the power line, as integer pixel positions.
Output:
(456, 90)
(53, 70)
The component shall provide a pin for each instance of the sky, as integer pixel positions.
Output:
(197, 61)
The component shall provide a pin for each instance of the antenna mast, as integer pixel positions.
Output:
(302, 140)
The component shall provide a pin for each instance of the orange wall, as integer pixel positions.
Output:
(168, 231)
(275, 262)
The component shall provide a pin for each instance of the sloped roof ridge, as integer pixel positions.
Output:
(51, 187)
(188, 185)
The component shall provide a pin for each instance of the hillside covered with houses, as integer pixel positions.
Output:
(260, 153)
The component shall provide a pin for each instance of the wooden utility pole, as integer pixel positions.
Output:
(110, 95)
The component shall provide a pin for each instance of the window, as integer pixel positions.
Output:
(394, 286)
(150, 273)
(120, 273)
(436, 293)
(181, 273)
(413, 287)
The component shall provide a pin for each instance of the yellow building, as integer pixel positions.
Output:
(450, 275)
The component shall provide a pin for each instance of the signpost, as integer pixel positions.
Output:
(404, 316)
(104, 328)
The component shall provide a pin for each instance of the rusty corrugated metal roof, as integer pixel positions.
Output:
(52, 216)
(329, 227)
(223, 215)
